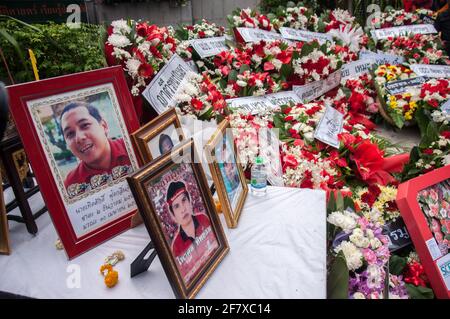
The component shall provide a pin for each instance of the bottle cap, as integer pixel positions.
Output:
(259, 160)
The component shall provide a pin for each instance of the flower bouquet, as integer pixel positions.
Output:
(416, 49)
(397, 110)
(247, 18)
(142, 50)
(199, 97)
(394, 18)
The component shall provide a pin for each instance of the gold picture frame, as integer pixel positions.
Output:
(229, 180)
(143, 136)
(165, 190)
(5, 248)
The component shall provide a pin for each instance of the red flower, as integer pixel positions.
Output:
(446, 134)
(197, 104)
(146, 70)
(268, 66)
(368, 159)
(428, 151)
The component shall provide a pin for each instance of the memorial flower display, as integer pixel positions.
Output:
(394, 18)
(417, 48)
(329, 123)
(140, 48)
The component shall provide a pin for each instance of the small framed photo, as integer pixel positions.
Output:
(227, 173)
(159, 136)
(75, 130)
(4, 231)
(180, 215)
(424, 203)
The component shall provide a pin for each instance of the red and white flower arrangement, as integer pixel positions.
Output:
(200, 97)
(394, 18)
(249, 18)
(417, 48)
(142, 49)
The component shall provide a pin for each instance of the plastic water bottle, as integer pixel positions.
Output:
(258, 183)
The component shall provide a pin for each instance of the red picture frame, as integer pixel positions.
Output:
(416, 222)
(110, 85)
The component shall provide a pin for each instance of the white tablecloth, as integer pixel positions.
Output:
(278, 250)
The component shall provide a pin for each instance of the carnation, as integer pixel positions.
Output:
(352, 254)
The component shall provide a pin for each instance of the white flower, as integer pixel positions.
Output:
(359, 295)
(132, 66)
(118, 40)
(241, 83)
(352, 255)
(357, 237)
(343, 221)
(120, 26)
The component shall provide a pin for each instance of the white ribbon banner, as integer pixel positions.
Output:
(432, 71)
(161, 91)
(209, 46)
(305, 36)
(313, 90)
(382, 34)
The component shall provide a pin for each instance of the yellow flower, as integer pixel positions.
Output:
(408, 116)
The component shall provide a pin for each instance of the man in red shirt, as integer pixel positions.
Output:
(101, 159)
(194, 242)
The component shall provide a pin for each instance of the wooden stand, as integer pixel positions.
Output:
(8, 147)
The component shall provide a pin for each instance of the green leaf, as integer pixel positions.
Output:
(339, 201)
(419, 292)
(244, 67)
(337, 284)
(422, 120)
(232, 76)
(396, 265)
(398, 119)
(349, 203)
(331, 207)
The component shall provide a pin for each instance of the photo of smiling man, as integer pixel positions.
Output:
(100, 158)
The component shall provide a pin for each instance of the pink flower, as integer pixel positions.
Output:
(369, 256)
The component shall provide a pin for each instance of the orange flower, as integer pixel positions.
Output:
(111, 278)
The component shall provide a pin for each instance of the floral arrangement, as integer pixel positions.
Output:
(435, 203)
(200, 97)
(249, 18)
(202, 29)
(379, 197)
(335, 19)
(245, 131)
(142, 49)
(397, 287)
(394, 18)
(365, 249)
(298, 17)
(416, 48)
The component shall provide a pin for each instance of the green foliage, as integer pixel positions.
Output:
(397, 264)
(419, 292)
(337, 283)
(59, 50)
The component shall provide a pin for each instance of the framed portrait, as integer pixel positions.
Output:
(227, 173)
(424, 203)
(4, 231)
(75, 130)
(180, 215)
(158, 136)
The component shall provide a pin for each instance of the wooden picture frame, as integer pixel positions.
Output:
(5, 248)
(147, 133)
(165, 191)
(410, 197)
(75, 130)
(227, 173)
